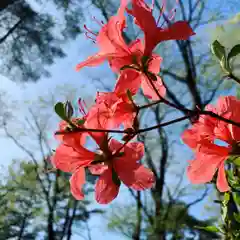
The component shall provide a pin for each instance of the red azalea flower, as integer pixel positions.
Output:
(153, 34)
(73, 159)
(201, 131)
(70, 137)
(124, 167)
(143, 73)
(114, 162)
(202, 138)
(109, 39)
(114, 49)
(111, 111)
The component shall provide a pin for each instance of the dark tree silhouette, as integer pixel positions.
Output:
(30, 40)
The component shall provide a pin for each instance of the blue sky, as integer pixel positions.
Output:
(63, 73)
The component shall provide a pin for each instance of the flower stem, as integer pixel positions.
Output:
(234, 77)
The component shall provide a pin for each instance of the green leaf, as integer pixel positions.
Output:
(234, 52)
(144, 59)
(60, 110)
(236, 198)
(226, 198)
(115, 178)
(231, 179)
(209, 228)
(120, 154)
(237, 217)
(218, 50)
(224, 213)
(236, 161)
(80, 121)
(225, 66)
(129, 95)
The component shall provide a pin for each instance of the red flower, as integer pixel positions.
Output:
(142, 76)
(111, 111)
(109, 40)
(114, 49)
(201, 131)
(122, 167)
(69, 138)
(153, 34)
(203, 136)
(114, 162)
(73, 159)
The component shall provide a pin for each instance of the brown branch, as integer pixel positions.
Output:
(173, 75)
(148, 157)
(127, 131)
(23, 225)
(149, 217)
(191, 113)
(69, 232)
(162, 167)
(137, 232)
(174, 99)
(66, 219)
(234, 77)
(149, 105)
(11, 30)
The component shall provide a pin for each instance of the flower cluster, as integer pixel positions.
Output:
(137, 67)
(214, 141)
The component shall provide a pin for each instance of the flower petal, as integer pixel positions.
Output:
(143, 16)
(106, 190)
(93, 61)
(149, 91)
(134, 175)
(213, 151)
(177, 31)
(208, 158)
(222, 183)
(71, 138)
(135, 52)
(229, 107)
(97, 169)
(200, 172)
(76, 182)
(110, 38)
(68, 159)
(154, 64)
(133, 151)
(128, 80)
(124, 114)
(190, 138)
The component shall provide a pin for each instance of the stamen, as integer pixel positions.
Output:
(172, 14)
(100, 23)
(153, 4)
(81, 107)
(89, 37)
(89, 31)
(162, 10)
(84, 103)
(173, 11)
